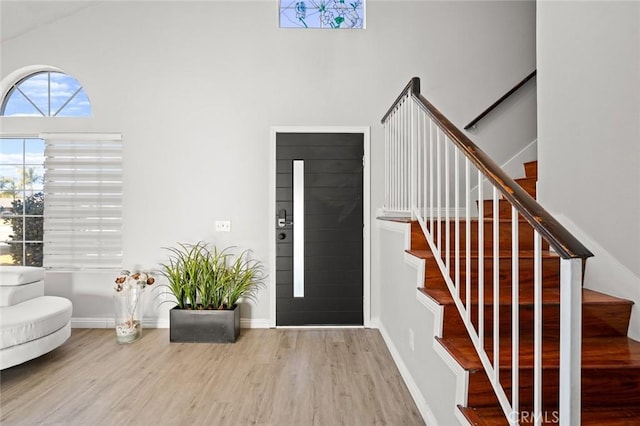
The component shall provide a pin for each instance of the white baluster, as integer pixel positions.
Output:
(456, 171)
(467, 248)
(481, 260)
(424, 163)
(537, 328)
(496, 287)
(413, 158)
(439, 189)
(406, 168)
(407, 156)
(392, 159)
(402, 169)
(432, 127)
(386, 164)
(447, 205)
(515, 314)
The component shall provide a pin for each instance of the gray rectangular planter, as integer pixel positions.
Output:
(204, 326)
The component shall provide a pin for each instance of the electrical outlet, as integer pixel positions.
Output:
(412, 340)
(223, 226)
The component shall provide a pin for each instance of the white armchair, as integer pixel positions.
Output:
(31, 324)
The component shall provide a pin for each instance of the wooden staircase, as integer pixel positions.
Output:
(610, 360)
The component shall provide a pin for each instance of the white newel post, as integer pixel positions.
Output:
(570, 340)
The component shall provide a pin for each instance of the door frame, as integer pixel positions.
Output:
(366, 208)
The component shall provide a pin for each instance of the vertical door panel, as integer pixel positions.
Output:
(332, 226)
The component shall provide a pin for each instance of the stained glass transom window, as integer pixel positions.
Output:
(322, 14)
(46, 94)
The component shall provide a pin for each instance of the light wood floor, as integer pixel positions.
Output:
(268, 377)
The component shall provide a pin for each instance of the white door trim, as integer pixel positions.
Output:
(366, 189)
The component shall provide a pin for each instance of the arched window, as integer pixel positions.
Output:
(46, 94)
(68, 189)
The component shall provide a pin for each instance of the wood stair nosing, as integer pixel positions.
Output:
(493, 416)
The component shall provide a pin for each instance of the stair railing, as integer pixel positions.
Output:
(432, 172)
(473, 123)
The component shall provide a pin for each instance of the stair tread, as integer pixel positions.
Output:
(399, 219)
(550, 296)
(597, 352)
(502, 254)
(527, 179)
(452, 219)
(592, 296)
(616, 352)
(529, 184)
(610, 416)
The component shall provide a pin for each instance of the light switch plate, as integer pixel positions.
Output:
(223, 226)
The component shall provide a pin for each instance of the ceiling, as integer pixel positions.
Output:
(18, 17)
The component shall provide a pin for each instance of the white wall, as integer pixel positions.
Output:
(194, 87)
(509, 132)
(589, 134)
(431, 381)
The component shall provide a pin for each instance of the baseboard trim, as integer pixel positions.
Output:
(374, 323)
(321, 327)
(79, 322)
(414, 390)
(255, 323)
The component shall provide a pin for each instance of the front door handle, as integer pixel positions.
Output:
(282, 219)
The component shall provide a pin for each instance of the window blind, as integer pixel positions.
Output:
(83, 201)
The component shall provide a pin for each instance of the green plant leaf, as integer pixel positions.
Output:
(204, 278)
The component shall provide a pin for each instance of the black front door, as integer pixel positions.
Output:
(319, 253)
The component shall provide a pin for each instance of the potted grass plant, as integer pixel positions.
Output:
(208, 285)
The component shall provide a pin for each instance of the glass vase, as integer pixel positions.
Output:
(128, 305)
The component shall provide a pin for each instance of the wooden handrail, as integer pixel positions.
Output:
(558, 237)
(412, 87)
(475, 121)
